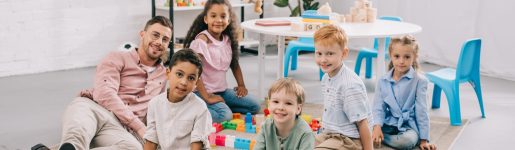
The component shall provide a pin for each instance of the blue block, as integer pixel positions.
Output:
(311, 16)
(248, 118)
(241, 143)
(249, 128)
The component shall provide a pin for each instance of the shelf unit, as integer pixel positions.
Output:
(234, 3)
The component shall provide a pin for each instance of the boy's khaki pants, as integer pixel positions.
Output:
(336, 141)
(88, 125)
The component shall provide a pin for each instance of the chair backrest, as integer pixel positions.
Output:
(307, 40)
(468, 63)
(387, 41)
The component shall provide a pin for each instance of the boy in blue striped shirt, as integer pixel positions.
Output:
(345, 120)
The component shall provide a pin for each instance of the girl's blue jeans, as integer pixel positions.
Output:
(399, 140)
(222, 111)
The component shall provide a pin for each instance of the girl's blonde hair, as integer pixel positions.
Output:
(290, 86)
(406, 40)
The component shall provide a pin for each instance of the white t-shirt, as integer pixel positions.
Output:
(177, 125)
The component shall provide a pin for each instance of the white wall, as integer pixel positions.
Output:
(46, 35)
(448, 24)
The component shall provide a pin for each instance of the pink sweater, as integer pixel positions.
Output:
(123, 87)
(216, 61)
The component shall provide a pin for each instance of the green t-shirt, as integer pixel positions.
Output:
(300, 138)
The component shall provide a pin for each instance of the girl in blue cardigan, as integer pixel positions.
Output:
(400, 112)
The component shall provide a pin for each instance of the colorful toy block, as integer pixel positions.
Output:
(229, 141)
(260, 118)
(238, 121)
(229, 125)
(362, 12)
(314, 20)
(218, 127)
(314, 125)
(240, 127)
(249, 128)
(248, 118)
(236, 116)
(241, 143)
(212, 139)
(267, 112)
(258, 128)
(306, 118)
(252, 143)
(220, 140)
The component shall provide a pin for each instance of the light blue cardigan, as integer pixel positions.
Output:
(402, 104)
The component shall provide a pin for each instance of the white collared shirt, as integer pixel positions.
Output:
(177, 125)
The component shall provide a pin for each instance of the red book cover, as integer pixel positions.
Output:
(273, 22)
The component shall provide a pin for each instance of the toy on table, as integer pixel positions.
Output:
(257, 6)
(186, 3)
(361, 12)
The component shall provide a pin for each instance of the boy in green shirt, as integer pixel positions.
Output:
(285, 130)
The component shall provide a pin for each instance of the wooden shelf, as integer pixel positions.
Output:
(235, 3)
(249, 42)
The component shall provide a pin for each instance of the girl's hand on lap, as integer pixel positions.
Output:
(377, 136)
(241, 91)
(425, 145)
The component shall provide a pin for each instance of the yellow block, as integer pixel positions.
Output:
(238, 121)
(316, 20)
(306, 118)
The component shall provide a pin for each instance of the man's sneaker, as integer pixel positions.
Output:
(39, 147)
(67, 146)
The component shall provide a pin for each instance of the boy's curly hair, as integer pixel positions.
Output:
(199, 25)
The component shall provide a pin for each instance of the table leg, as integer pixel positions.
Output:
(381, 57)
(261, 64)
(280, 56)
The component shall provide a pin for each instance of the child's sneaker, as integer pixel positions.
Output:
(67, 146)
(39, 147)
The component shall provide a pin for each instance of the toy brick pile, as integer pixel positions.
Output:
(186, 3)
(250, 124)
(361, 12)
(313, 20)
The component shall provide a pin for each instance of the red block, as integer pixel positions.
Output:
(220, 140)
(314, 125)
(267, 112)
(218, 127)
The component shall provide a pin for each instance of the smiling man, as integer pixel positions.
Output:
(112, 113)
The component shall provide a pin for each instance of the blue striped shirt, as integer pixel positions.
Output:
(345, 103)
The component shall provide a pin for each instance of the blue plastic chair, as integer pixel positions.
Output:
(368, 53)
(449, 80)
(292, 51)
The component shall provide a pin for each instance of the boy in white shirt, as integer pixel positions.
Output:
(179, 119)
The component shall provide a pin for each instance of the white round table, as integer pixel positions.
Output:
(379, 29)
